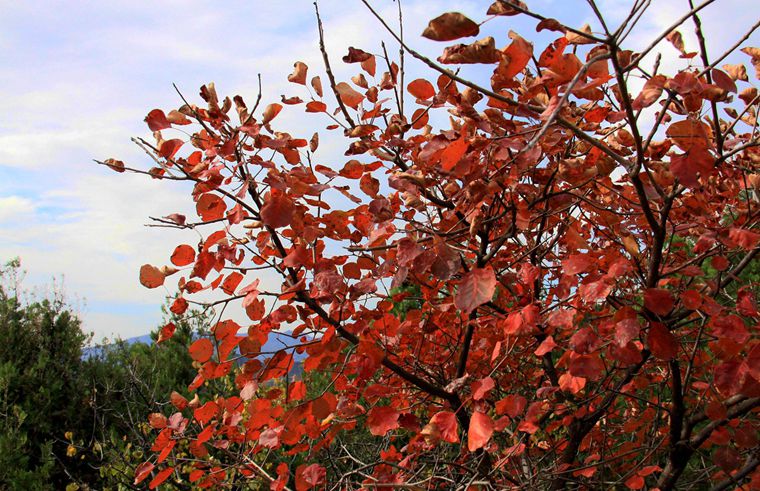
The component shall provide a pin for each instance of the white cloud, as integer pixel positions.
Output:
(13, 207)
(78, 79)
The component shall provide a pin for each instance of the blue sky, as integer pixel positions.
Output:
(78, 77)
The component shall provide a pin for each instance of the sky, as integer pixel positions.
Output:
(78, 77)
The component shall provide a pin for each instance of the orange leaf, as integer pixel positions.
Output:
(166, 332)
(690, 134)
(316, 107)
(270, 112)
(650, 93)
(421, 89)
(453, 153)
(349, 96)
(501, 8)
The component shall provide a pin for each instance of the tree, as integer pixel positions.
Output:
(555, 233)
(127, 385)
(40, 393)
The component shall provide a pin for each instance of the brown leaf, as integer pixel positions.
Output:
(114, 164)
(650, 93)
(575, 38)
(755, 54)
(450, 26)
(316, 83)
(270, 112)
(551, 25)
(502, 8)
(356, 55)
(299, 73)
(483, 51)
(151, 276)
(690, 134)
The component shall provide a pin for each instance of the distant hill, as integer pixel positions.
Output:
(272, 344)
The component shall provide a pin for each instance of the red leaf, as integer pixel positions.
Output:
(658, 301)
(207, 411)
(421, 89)
(635, 482)
(446, 422)
(169, 148)
(210, 207)
(453, 153)
(231, 282)
(151, 276)
(513, 405)
(356, 55)
(450, 26)
(481, 429)
(114, 164)
(161, 477)
(183, 255)
(166, 332)
(686, 166)
(382, 419)
(481, 387)
(570, 383)
(157, 121)
(178, 400)
(546, 346)
(309, 476)
(201, 350)
(143, 471)
(278, 211)
(745, 238)
(476, 288)
(626, 331)
(661, 342)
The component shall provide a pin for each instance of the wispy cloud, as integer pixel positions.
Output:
(78, 77)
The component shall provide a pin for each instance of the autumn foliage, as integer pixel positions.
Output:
(572, 236)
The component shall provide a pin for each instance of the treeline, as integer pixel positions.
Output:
(73, 417)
